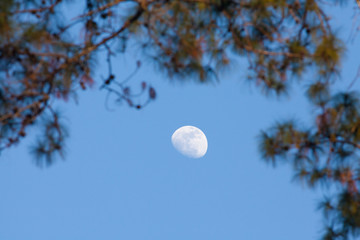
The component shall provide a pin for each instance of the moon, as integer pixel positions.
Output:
(190, 141)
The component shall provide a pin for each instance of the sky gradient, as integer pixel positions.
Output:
(122, 178)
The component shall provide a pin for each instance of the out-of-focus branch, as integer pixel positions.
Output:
(39, 10)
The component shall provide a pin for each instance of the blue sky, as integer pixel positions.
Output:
(122, 178)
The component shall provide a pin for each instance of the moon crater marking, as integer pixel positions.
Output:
(190, 141)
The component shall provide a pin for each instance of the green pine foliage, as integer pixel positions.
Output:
(325, 155)
(283, 40)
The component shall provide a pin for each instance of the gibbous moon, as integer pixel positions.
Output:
(190, 141)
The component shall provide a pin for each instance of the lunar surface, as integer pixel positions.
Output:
(190, 141)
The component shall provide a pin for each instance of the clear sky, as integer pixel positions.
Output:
(122, 178)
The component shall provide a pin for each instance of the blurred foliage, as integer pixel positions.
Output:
(42, 60)
(325, 155)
